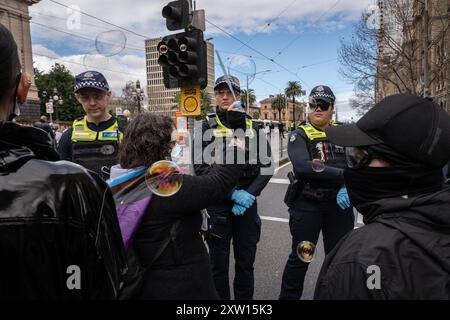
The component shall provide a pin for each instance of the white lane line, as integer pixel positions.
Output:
(279, 181)
(284, 165)
(274, 219)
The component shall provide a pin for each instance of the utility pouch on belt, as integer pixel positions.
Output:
(292, 190)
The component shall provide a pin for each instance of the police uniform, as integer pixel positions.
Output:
(245, 230)
(93, 146)
(318, 166)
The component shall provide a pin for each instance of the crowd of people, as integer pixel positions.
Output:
(87, 205)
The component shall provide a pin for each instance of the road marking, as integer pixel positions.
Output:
(284, 165)
(274, 219)
(279, 181)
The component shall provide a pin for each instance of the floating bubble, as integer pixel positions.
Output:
(110, 43)
(164, 178)
(318, 165)
(305, 251)
(242, 67)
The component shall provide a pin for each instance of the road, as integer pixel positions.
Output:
(275, 243)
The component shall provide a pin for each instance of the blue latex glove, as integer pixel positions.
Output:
(342, 199)
(243, 198)
(238, 210)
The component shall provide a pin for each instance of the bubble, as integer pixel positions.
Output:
(110, 43)
(95, 62)
(318, 165)
(164, 178)
(242, 67)
(305, 251)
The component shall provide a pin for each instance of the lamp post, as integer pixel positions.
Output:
(55, 99)
(138, 95)
(248, 95)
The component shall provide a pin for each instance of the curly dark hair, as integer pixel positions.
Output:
(147, 140)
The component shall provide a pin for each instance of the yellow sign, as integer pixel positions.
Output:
(190, 101)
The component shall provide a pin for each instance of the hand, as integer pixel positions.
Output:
(236, 106)
(342, 199)
(238, 210)
(243, 198)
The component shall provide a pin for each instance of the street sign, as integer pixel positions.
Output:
(190, 101)
(181, 122)
(49, 107)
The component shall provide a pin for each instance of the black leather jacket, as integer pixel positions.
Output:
(53, 216)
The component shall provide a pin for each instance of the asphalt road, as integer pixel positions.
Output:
(275, 243)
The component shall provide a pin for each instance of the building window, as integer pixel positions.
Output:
(265, 116)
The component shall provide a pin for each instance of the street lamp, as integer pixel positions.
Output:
(56, 99)
(248, 98)
(138, 95)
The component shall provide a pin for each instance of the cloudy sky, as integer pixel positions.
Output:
(286, 39)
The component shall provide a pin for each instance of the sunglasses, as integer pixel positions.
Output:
(314, 105)
(358, 157)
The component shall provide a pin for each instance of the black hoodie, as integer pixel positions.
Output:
(408, 240)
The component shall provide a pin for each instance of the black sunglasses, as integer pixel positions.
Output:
(314, 105)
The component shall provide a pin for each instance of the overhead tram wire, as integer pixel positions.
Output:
(82, 64)
(79, 36)
(270, 23)
(301, 33)
(102, 20)
(258, 52)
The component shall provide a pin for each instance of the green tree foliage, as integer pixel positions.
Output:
(62, 79)
(279, 103)
(251, 97)
(293, 90)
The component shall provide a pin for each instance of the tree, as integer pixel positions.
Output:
(251, 97)
(279, 103)
(294, 89)
(205, 103)
(127, 99)
(62, 79)
(384, 59)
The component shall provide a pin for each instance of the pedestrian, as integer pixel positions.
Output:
(321, 202)
(235, 218)
(59, 235)
(93, 139)
(58, 133)
(394, 179)
(44, 125)
(168, 242)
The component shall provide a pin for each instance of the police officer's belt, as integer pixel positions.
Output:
(319, 194)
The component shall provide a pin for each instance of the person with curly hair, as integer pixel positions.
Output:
(167, 241)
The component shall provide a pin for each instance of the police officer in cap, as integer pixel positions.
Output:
(237, 218)
(93, 139)
(321, 201)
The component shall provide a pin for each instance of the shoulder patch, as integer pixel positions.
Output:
(293, 138)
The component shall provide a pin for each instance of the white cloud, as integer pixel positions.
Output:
(116, 69)
(39, 49)
(345, 112)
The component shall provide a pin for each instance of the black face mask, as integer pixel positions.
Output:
(236, 119)
(367, 185)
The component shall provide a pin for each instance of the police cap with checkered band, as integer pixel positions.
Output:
(322, 93)
(91, 79)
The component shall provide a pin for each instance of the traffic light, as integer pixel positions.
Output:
(183, 59)
(176, 14)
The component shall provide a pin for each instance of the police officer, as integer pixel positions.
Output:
(93, 139)
(236, 218)
(322, 202)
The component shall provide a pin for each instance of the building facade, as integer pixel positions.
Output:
(266, 112)
(161, 99)
(15, 16)
(421, 65)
